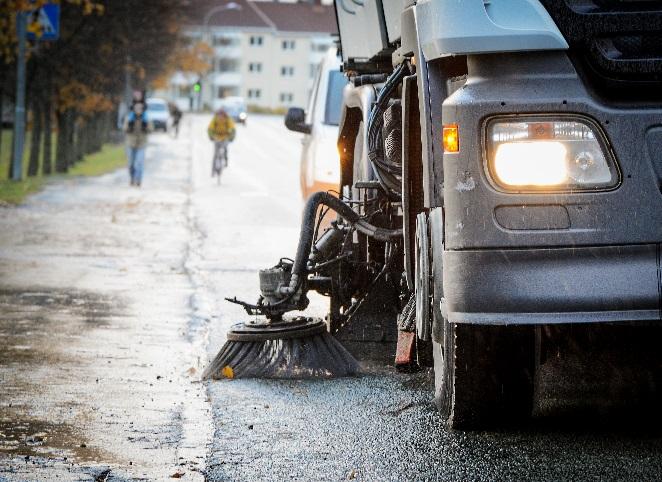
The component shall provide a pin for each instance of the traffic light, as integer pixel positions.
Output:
(197, 87)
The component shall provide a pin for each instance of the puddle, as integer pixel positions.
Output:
(23, 437)
(37, 331)
(80, 301)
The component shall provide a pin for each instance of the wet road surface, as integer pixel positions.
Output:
(111, 305)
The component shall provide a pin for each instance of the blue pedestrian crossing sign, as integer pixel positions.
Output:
(44, 22)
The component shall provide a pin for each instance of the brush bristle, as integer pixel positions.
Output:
(318, 356)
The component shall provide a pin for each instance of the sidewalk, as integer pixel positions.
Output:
(100, 364)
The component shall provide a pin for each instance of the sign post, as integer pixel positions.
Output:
(19, 116)
(44, 23)
(37, 25)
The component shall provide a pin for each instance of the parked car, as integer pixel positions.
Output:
(235, 107)
(320, 162)
(158, 114)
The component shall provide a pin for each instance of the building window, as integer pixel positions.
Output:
(227, 92)
(225, 41)
(287, 44)
(256, 40)
(319, 47)
(287, 71)
(227, 65)
(286, 97)
(312, 71)
(255, 67)
(254, 93)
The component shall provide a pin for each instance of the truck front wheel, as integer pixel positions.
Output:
(483, 374)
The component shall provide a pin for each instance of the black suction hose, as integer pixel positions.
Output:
(308, 229)
(300, 264)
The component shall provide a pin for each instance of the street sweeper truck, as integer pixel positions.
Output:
(501, 179)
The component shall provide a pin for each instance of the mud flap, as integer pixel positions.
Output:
(405, 353)
(371, 331)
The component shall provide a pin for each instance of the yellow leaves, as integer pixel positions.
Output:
(89, 7)
(140, 72)
(106, 49)
(161, 82)
(203, 48)
(173, 28)
(227, 372)
(76, 95)
(194, 58)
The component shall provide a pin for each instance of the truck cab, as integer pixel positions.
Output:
(517, 145)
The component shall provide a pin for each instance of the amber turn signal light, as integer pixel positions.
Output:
(451, 138)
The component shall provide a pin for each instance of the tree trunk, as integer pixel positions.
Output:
(47, 163)
(10, 174)
(35, 146)
(107, 127)
(81, 138)
(99, 131)
(62, 157)
(2, 105)
(92, 135)
(70, 121)
(78, 139)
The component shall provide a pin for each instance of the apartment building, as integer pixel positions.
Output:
(264, 51)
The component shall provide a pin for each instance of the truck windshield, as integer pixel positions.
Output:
(337, 82)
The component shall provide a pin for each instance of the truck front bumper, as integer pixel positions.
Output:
(552, 285)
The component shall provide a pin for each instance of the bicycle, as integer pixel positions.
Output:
(220, 159)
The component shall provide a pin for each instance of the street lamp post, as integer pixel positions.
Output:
(206, 35)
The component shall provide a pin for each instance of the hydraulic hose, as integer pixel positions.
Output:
(386, 174)
(308, 230)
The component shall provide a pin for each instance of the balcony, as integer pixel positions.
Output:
(221, 79)
(227, 52)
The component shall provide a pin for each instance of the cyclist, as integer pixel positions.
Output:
(221, 131)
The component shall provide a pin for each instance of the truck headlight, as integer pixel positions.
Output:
(542, 153)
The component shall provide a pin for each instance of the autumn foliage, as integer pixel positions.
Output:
(76, 83)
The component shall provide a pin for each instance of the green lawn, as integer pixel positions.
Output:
(111, 157)
(6, 152)
(14, 192)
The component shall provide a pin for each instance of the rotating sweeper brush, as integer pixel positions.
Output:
(294, 348)
(274, 346)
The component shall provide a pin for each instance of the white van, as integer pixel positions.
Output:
(320, 162)
(158, 113)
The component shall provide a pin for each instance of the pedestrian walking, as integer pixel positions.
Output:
(176, 115)
(137, 127)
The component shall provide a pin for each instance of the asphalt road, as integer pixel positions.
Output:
(111, 304)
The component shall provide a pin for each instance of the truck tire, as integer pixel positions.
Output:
(484, 374)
